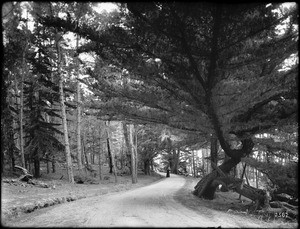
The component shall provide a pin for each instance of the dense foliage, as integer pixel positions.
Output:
(197, 70)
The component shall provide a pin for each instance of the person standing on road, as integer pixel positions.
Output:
(168, 172)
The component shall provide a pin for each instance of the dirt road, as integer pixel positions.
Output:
(149, 206)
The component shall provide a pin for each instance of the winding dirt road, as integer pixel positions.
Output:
(149, 206)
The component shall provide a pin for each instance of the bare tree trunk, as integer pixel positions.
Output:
(112, 155)
(13, 161)
(78, 124)
(128, 135)
(22, 106)
(100, 161)
(174, 168)
(26, 163)
(203, 161)
(9, 131)
(133, 142)
(53, 164)
(207, 164)
(64, 116)
(100, 154)
(194, 168)
(36, 162)
(94, 146)
(84, 152)
(122, 156)
(48, 164)
(29, 165)
(256, 177)
(109, 156)
(247, 177)
(213, 150)
(151, 165)
(147, 167)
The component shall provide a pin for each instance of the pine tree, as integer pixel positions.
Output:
(63, 109)
(13, 42)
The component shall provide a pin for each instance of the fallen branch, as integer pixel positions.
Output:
(279, 204)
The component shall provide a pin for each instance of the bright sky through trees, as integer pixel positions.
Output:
(108, 6)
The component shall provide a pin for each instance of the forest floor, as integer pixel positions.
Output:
(228, 202)
(18, 198)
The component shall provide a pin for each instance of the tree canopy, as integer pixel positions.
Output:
(221, 70)
(202, 70)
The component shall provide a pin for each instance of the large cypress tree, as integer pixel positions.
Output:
(202, 67)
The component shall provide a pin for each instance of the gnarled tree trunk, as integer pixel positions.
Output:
(205, 187)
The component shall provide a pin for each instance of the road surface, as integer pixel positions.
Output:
(149, 206)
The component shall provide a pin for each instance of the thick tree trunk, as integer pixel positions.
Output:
(100, 167)
(36, 162)
(122, 157)
(53, 164)
(4, 106)
(26, 162)
(7, 131)
(128, 161)
(113, 163)
(48, 164)
(205, 187)
(194, 167)
(21, 119)
(129, 135)
(78, 123)
(36, 168)
(29, 166)
(78, 134)
(203, 161)
(86, 161)
(64, 116)
(24, 71)
(174, 168)
(214, 150)
(151, 165)
(13, 161)
(93, 151)
(109, 156)
(11, 143)
(147, 167)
